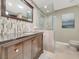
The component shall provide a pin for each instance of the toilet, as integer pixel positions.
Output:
(74, 44)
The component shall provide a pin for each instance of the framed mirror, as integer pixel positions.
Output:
(17, 9)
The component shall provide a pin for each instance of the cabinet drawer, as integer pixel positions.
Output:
(14, 50)
(20, 56)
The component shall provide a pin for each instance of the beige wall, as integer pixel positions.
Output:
(64, 35)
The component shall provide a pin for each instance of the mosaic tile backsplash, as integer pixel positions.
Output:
(8, 26)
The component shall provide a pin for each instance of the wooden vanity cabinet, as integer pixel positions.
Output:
(34, 47)
(0, 52)
(13, 51)
(26, 48)
(37, 46)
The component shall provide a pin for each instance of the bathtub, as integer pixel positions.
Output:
(61, 46)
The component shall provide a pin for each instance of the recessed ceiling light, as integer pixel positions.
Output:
(6, 12)
(45, 6)
(71, 0)
(47, 10)
(21, 7)
(29, 11)
(9, 3)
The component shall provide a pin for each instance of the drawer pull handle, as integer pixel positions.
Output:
(16, 50)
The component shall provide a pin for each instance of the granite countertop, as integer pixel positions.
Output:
(11, 37)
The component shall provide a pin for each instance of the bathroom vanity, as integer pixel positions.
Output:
(21, 46)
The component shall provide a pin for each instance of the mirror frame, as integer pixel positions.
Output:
(3, 9)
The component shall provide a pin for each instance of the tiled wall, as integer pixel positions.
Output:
(8, 26)
(15, 26)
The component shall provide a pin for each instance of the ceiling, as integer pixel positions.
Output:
(49, 6)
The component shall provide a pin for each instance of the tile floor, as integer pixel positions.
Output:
(47, 55)
(62, 52)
